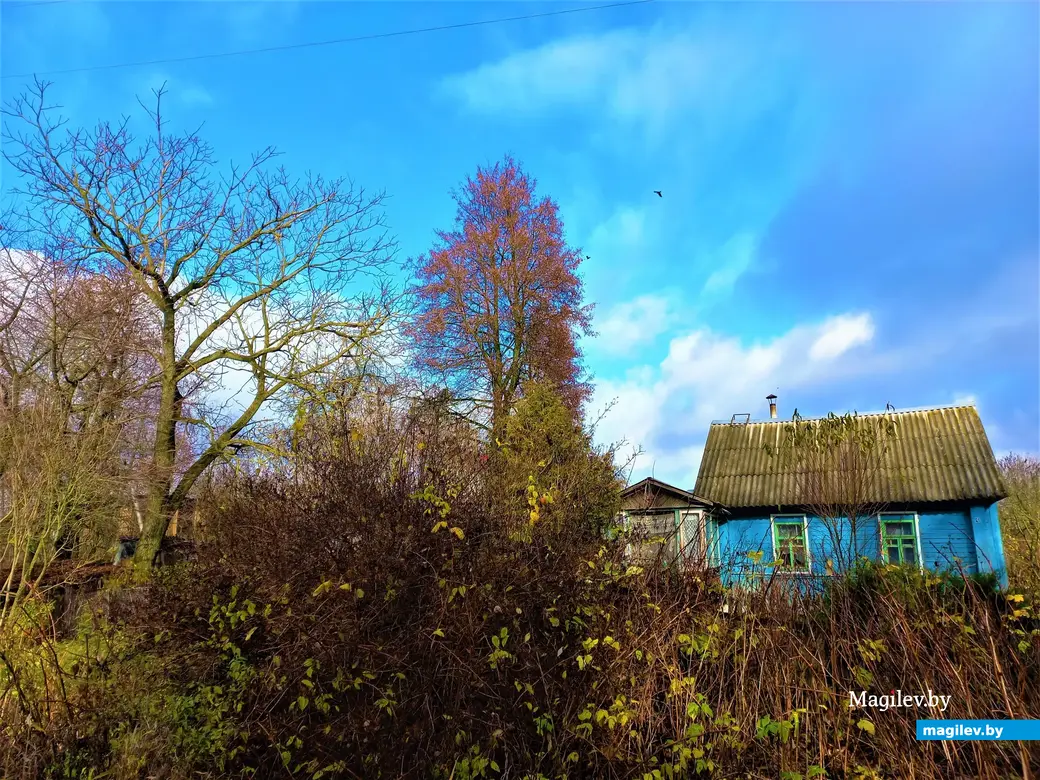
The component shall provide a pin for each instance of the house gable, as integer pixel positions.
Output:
(652, 493)
(672, 515)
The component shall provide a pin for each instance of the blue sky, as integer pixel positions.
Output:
(850, 214)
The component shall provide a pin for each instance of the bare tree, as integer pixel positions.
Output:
(56, 485)
(1020, 519)
(73, 351)
(838, 462)
(250, 278)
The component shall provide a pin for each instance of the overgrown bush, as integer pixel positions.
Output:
(382, 610)
(1020, 521)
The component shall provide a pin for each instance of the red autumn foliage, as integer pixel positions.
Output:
(499, 299)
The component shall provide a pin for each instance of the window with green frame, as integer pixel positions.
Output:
(790, 544)
(899, 539)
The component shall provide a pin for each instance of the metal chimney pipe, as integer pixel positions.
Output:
(772, 406)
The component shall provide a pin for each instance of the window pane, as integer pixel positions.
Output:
(892, 552)
(899, 529)
(908, 551)
(798, 556)
(789, 538)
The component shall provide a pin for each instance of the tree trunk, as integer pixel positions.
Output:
(158, 507)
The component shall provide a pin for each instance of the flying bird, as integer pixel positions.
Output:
(658, 193)
(587, 257)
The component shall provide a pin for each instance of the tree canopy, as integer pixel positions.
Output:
(499, 299)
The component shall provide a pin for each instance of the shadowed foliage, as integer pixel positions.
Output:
(371, 612)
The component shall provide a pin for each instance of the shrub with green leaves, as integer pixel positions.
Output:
(372, 615)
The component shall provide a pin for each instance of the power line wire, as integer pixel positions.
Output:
(311, 44)
(31, 3)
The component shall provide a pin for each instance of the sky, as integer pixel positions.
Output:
(850, 210)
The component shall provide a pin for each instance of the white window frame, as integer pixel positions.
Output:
(711, 546)
(917, 535)
(697, 546)
(633, 516)
(805, 531)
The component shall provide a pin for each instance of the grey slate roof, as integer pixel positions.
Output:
(939, 454)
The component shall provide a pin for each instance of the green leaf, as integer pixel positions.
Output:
(866, 725)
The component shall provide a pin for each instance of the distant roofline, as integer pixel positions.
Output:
(858, 414)
(661, 485)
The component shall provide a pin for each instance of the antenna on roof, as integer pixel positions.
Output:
(889, 407)
(745, 415)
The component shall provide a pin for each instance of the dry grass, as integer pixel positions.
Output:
(328, 631)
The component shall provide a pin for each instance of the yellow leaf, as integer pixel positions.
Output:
(439, 632)
(458, 532)
(866, 725)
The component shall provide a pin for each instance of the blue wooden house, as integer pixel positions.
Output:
(931, 501)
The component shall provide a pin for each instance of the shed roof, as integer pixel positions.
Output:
(937, 454)
(651, 485)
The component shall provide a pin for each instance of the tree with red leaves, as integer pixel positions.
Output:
(499, 299)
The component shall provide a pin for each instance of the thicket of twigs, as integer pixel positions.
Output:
(403, 604)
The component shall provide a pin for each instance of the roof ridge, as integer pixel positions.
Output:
(877, 413)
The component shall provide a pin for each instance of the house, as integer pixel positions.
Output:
(673, 523)
(929, 499)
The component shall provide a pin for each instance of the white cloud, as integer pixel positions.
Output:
(250, 22)
(560, 72)
(625, 228)
(642, 75)
(633, 323)
(628, 409)
(842, 334)
(666, 409)
(616, 246)
(735, 258)
(195, 96)
(175, 90)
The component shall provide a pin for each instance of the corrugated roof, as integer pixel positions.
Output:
(937, 454)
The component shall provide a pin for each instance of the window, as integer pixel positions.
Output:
(899, 539)
(653, 535)
(692, 543)
(790, 545)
